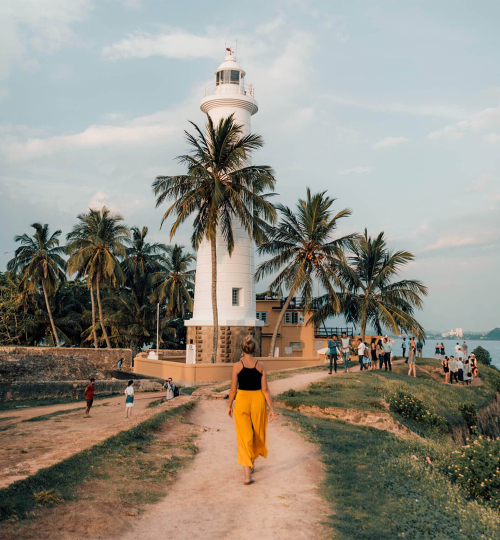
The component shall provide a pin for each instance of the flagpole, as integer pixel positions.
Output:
(157, 328)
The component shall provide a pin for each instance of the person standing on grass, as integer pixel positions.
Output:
(420, 347)
(437, 352)
(361, 354)
(403, 346)
(465, 349)
(446, 369)
(373, 351)
(467, 371)
(333, 351)
(442, 351)
(380, 353)
(457, 347)
(453, 369)
(346, 343)
(460, 369)
(170, 391)
(89, 396)
(387, 345)
(250, 393)
(411, 359)
(129, 399)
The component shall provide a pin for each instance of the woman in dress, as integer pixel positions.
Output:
(442, 351)
(411, 359)
(437, 352)
(249, 387)
(380, 353)
(373, 351)
(129, 399)
(446, 370)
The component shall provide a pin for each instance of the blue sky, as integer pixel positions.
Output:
(393, 107)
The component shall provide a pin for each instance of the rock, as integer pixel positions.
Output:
(133, 512)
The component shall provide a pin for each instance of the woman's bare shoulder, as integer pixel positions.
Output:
(260, 366)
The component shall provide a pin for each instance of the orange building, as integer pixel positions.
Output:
(295, 337)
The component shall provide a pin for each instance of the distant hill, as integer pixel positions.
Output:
(494, 334)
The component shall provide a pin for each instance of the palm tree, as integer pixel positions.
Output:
(175, 282)
(302, 248)
(218, 189)
(95, 246)
(142, 258)
(373, 296)
(39, 260)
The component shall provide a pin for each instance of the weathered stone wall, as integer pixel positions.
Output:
(100, 358)
(229, 345)
(167, 352)
(74, 389)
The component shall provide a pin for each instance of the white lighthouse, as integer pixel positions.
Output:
(235, 284)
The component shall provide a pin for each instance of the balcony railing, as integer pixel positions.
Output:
(242, 89)
(328, 331)
(296, 303)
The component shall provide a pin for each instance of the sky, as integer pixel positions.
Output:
(393, 107)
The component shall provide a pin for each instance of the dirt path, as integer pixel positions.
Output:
(29, 446)
(209, 501)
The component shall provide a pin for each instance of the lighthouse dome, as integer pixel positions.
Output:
(230, 63)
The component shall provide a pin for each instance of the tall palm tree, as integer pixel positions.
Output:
(303, 248)
(39, 260)
(96, 245)
(373, 297)
(175, 281)
(141, 257)
(218, 189)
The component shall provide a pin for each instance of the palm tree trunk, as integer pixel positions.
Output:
(50, 314)
(278, 323)
(98, 293)
(93, 315)
(213, 246)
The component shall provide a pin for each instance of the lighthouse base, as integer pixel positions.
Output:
(229, 346)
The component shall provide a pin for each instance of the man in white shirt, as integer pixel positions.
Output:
(460, 355)
(345, 350)
(361, 354)
(457, 347)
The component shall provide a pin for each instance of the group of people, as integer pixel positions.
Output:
(461, 369)
(379, 351)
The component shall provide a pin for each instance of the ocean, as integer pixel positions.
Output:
(429, 347)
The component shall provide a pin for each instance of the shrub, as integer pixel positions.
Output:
(482, 355)
(476, 469)
(469, 413)
(409, 406)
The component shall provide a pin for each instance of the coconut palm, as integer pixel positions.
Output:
(219, 190)
(39, 261)
(175, 281)
(373, 297)
(96, 245)
(303, 249)
(142, 258)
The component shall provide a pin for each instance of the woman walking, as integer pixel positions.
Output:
(411, 359)
(249, 387)
(129, 400)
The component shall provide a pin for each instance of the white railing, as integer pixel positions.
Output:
(215, 89)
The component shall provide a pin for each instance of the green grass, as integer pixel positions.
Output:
(14, 404)
(5, 418)
(367, 391)
(188, 390)
(5, 428)
(17, 500)
(48, 416)
(376, 490)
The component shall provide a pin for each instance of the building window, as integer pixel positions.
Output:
(295, 345)
(291, 317)
(236, 297)
(261, 316)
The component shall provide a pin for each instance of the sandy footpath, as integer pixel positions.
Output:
(209, 500)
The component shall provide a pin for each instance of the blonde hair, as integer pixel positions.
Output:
(248, 345)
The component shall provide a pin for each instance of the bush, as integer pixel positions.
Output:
(482, 355)
(409, 406)
(476, 468)
(469, 413)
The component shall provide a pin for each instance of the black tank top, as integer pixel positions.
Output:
(250, 378)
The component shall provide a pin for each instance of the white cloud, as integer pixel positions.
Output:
(176, 44)
(444, 111)
(271, 26)
(451, 241)
(450, 133)
(29, 27)
(480, 185)
(390, 142)
(492, 138)
(356, 170)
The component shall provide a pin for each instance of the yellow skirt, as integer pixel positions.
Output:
(250, 419)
